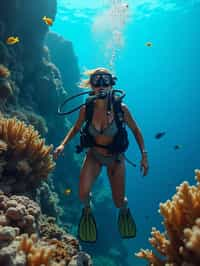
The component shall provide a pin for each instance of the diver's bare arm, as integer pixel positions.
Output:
(134, 128)
(74, 130)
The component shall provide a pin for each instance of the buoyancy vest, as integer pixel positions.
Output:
(120, 140)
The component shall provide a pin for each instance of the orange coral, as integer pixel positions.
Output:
(35, 253)
(4, 72)
(180, 244)
(48, 252)
(24, 143)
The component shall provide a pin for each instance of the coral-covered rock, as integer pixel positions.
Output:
(15, 213)
(49, 229)
(45, 244)
(9, 255)
(5, 84)
(48, 199)
(81, 259)
(66, 59)
(31, 118)
(20, 211)
(8, 233)
(3, 220)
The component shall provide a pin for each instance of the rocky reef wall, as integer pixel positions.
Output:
(31, 88)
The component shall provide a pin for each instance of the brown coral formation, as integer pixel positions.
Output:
(180, 244)
(19, 211)
(60, 252)
(25, 159)
(49, 229)
(66, 246)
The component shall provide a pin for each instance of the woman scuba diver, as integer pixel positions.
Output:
(106, 147)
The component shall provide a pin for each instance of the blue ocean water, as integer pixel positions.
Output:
(162, 93)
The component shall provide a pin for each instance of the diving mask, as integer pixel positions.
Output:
(101, 80)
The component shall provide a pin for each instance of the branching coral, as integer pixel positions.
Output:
(180, 244)
(36, 254)
(43, 251)
(27, 156)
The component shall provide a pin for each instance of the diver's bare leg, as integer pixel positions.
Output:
(126, 223)
(89, 172)
(116, 174)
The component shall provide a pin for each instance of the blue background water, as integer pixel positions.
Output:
(162, 92)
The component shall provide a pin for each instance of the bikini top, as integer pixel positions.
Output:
(109, 131)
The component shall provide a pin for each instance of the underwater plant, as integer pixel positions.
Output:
(180, 243)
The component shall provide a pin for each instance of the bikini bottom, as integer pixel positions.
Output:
(106, 159)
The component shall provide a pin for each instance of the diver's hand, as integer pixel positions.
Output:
(144, 165)
(57, 151)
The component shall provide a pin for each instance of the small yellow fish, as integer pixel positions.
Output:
(48, 21)
(149, 44)
(12, 40)
(67, 191)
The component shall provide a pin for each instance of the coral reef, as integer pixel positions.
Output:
(66, 59)
(19, 211)
(179, 245)
(36, 254)
(30, 118)
(48, 199)
(28, 238)
(80, 258)
(5, 85)
(49, 229)
(25, 159)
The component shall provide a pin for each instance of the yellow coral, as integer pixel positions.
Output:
(180, 244)
(24, 143)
